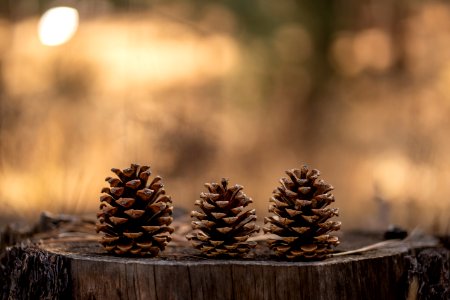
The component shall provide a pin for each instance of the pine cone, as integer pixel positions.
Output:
(134, 216)
(223, 227)
(301, 218)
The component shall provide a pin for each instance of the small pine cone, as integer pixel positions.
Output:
(301, 217)
(134, 216)
(223, 227)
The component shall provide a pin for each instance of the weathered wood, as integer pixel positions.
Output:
(429, 274)
(28, 272)
(81, 270)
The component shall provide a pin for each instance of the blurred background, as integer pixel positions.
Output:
(241, 89)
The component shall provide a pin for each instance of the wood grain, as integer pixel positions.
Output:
(81, 270)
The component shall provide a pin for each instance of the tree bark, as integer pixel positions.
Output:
(82, 270)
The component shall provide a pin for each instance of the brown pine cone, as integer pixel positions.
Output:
(222, 227)
(134, 216)
(301, 217)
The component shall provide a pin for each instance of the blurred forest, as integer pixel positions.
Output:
(240, 89)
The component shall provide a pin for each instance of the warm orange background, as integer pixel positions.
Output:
(357, 89)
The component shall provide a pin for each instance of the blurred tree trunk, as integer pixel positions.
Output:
(325, 19)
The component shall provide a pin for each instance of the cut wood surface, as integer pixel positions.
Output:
(82, 270)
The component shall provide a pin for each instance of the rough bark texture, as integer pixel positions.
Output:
(29, 272)
(81, 270)
(429, 274)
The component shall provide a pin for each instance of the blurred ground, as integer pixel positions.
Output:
(244, 90)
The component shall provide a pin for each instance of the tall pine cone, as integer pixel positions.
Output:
(134, 216)
(222, 227)
(301, 217)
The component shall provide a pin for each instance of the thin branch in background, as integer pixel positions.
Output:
(416, 235)
(189, 24)
(80, 203)
(380, 245)
(383, 208)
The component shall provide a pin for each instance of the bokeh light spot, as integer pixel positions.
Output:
(58, 25)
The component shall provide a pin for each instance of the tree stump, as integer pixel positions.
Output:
(60, 269)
